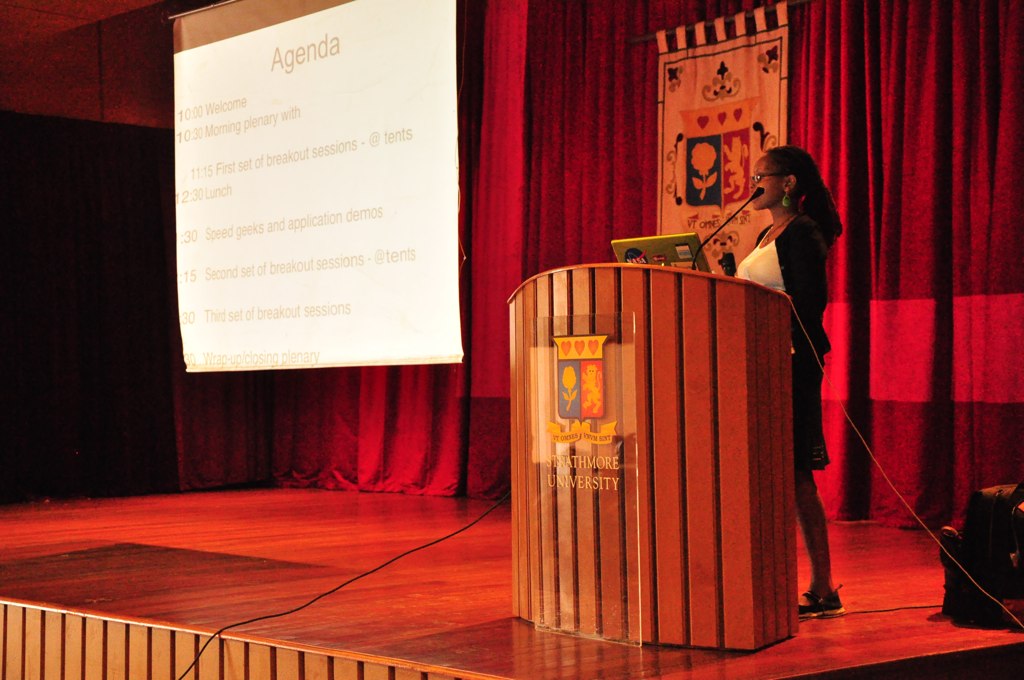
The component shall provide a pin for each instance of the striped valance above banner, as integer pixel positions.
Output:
(722, 103)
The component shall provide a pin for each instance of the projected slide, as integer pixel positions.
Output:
(316, 167)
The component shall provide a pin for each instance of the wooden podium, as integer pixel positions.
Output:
(662, 509)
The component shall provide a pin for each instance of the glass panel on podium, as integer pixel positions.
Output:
(584, 527)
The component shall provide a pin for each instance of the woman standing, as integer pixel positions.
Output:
(790, 257)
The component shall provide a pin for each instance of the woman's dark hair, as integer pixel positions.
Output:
(813, 197)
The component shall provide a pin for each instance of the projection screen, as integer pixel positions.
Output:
(316, 170)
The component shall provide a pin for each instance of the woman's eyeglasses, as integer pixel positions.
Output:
(756, 179)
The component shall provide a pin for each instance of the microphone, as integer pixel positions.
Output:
(728, 264)
(757, 192)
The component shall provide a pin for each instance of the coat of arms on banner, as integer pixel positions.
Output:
(581, 390)
(716, 158)
(722, 105)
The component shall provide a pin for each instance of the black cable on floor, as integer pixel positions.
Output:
(342, 585)
(895, 609)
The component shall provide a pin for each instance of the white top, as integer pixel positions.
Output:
(762, 266)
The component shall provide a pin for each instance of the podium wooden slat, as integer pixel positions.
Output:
(547, 570)
(697, 547)
(769, 567)
(565, 506)
(666, 410)
(586, 523)
(702, 521)
(521, 517)
(739, 485)
(611, 515)
(528, 310)
(634, 296)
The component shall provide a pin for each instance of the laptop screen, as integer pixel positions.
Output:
(676, 250)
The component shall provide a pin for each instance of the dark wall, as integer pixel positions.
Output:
(119, 70)
(87, 332)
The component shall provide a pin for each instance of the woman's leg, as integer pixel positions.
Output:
(810, 513)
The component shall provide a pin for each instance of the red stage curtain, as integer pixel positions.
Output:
(911, 108)
(496, 243)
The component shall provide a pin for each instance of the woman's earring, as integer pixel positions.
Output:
(786, 201)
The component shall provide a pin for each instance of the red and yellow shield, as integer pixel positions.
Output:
(581, 389)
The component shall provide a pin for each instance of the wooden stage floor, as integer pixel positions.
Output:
(204, 560)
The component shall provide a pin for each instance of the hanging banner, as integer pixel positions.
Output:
(721, 104)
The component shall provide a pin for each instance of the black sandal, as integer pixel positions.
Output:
(827, 607)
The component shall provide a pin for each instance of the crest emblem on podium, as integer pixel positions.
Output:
(581, 376)
(580, 387)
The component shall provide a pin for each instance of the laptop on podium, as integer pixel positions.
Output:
(674, 250)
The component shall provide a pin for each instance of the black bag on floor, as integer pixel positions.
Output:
(990, 549)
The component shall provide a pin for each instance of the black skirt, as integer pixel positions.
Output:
(808, 436)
